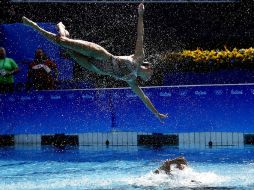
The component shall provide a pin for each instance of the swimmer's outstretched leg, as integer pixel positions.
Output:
(88, 49)
(50, 36)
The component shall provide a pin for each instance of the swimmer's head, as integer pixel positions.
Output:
(181, 162)
(2, 53)
(145, 71)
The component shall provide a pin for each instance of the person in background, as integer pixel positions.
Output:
(179, 162)
(8, 68)
(42, 72)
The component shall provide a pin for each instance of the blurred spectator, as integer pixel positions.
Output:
(8, 68)
(42, 72)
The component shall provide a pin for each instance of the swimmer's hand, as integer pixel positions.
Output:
(162, 116)
(28, 22)
(141, 9)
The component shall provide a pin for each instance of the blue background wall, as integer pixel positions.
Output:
(226, 108)
(221, 76)
(21, 42)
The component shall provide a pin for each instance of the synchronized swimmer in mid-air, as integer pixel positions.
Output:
(96, 59)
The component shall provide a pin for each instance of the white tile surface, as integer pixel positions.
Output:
(125, 138)
(191, 138)
(100, 139)
(85, 139)
(89, 138)
(186, 138)
(235, 139)
(224, 139)
(181, 139)
(34, 139)
(230, 138)
(218, 139)
(129, 138)
(197, 138)
(241, 139)
(16, 139)
(95, 138)
(104, 138)
(132, 138)
(213, 138)
(38, 139)
(114, 138)
(202, 138)
(81, 139)
(207, 138)
(120, 138)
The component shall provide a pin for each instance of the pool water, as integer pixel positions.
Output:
(123, 168)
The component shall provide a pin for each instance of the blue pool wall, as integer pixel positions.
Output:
(214, 108)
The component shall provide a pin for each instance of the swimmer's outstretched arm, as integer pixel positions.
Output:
(137, 90)
(139, 49)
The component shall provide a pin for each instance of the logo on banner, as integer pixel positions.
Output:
(183, 93)
(40, 98)
(102, 96)
(87, 96)
(55, 97)
(70, 96)
(131, 95)
(200, 93)
(24, 98)
(218, 92)
(11, 99)
(165, 94)
(116, 96)
(236, 92)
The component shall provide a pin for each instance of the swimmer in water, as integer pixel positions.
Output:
(179, 162)
(98, 60)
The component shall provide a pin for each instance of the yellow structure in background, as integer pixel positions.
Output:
(212, 56)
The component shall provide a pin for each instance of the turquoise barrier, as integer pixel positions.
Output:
(218, 108)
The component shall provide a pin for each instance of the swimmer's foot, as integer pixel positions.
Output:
(61, 30)
(28, 22)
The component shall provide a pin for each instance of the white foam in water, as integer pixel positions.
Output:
(124, 175)
(100, 180)
(185, 178)
(179, 179)
(47, 184)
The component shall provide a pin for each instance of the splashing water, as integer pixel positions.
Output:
(123, 169)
